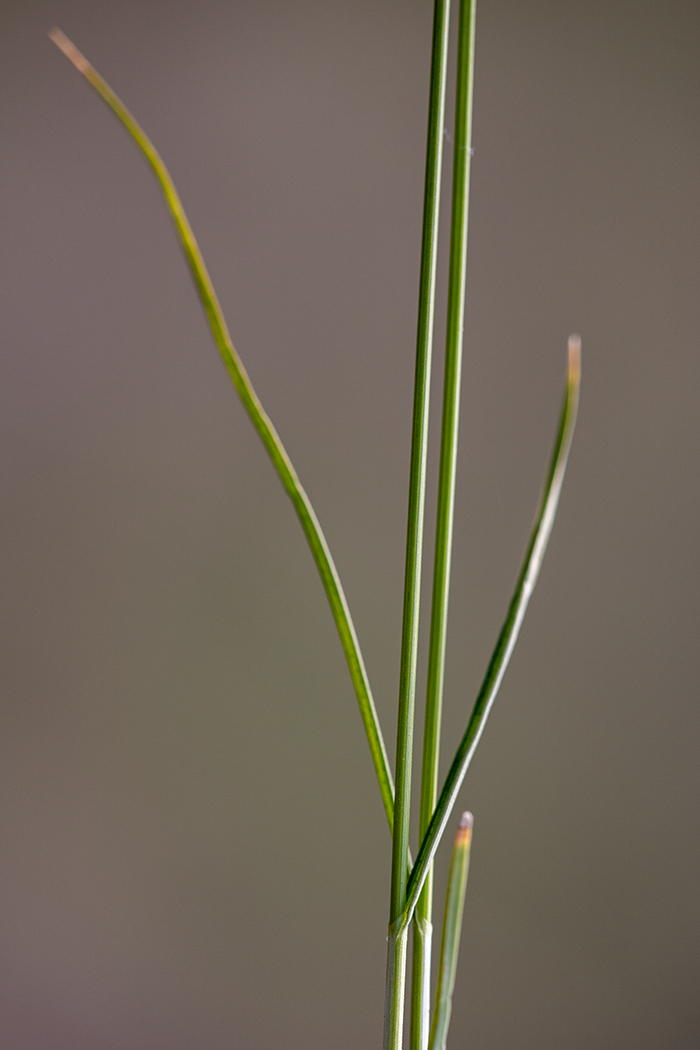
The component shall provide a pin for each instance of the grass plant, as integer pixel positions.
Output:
(411, 888)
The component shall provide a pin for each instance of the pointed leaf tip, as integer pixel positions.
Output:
(464, 830)
(69, 49)
(574, 357)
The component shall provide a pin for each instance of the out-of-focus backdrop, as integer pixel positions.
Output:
(194, 855)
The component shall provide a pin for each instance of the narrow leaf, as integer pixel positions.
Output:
(527, 579)
(261, 422)
(451, 932)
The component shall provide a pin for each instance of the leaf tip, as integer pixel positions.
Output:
(574, 358)
(69, 49)
(464, 831)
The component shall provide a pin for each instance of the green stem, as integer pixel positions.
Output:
(416, 514)
(395, 983)
(262, 423)
(451, 932)
(527, 579)
(420, 981)
(446, 497)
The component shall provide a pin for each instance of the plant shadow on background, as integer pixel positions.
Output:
(411, 896)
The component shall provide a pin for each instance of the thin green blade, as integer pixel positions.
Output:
(451, 932)
(262, 423)
(527, 579)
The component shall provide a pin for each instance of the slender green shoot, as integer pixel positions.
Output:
(397, 949)
(446, 484)
(417, 478)
(261, 422)
(527, 579)
(451, 932)
(422, 940)
(417, 475)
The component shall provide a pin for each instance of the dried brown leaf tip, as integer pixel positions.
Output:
(69, 50)
(464, 831)
(574, 357)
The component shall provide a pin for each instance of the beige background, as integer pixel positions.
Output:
(194, 856)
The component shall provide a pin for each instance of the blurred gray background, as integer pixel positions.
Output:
(194, 855)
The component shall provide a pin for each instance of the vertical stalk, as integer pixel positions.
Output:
(397, 951)
(422, 933)
(445, 512)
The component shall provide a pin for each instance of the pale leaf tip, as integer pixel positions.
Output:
(574, 357)
(69, 49)
(464, 831)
